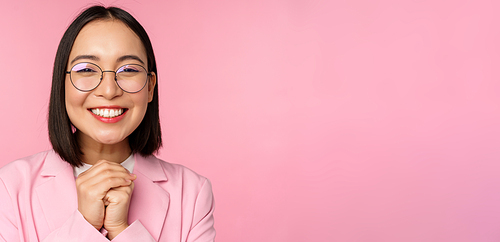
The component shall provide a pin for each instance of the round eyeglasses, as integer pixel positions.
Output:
(130, 78)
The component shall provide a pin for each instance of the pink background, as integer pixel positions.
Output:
(315, 120)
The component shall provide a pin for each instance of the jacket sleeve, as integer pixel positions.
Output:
(203, 221)
(8, 221)
(202, 229)
(76, 228)
(133, 233)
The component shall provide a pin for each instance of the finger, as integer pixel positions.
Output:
(102, 186)
(106, 165)
(103, 176)
(123, 189)
(109, 178)
(109, 169)
(97, 186)
(118, 195)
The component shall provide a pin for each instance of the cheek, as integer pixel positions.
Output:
(73, 99)
(142, 103)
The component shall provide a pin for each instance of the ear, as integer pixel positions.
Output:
(151, 86)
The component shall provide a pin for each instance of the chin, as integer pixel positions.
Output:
(108, 140)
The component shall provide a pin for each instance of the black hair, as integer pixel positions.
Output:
(146, 139)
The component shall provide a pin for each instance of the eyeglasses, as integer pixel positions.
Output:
(130, 78)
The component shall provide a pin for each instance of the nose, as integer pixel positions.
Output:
(108, 88)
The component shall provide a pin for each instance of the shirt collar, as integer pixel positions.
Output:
(128, 164)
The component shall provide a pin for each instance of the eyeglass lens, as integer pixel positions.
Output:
(87, 76)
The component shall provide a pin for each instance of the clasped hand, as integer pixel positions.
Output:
(104, 193)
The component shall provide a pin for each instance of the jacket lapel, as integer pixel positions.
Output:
(56, 191)
(150, 202)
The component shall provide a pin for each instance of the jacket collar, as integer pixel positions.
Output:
(53, 165)
(56, 190)
(150, 167)
(149, 203)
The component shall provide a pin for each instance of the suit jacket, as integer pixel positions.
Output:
(38, 202)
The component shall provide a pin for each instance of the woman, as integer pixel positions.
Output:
(101, 180)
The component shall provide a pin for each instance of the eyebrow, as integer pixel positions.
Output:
(95, 58)
(130, 57)
(90, 57)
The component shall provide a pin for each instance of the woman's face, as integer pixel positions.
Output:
(109, 44)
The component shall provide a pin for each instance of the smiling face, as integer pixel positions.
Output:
(107, 115)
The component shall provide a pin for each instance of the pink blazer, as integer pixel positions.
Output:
(38, 202)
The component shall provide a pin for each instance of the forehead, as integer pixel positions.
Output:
(108, 40)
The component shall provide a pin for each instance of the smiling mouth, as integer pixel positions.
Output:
(108, 112)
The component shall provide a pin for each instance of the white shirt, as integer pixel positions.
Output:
(128, 164)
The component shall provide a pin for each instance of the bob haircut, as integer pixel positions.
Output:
(146, 139)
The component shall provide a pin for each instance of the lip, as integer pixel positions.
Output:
(109, 120)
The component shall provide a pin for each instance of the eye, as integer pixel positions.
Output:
(130, 69)
(85, 68)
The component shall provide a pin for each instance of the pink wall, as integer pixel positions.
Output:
(315, 120)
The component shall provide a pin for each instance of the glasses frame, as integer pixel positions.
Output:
(102, 75)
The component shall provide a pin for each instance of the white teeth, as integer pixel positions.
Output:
(107, 113)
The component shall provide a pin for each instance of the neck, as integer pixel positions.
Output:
(94, 151)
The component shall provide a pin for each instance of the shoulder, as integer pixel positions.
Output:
(174, 170)
(23, 166)
(27, 169)
(174, 173)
